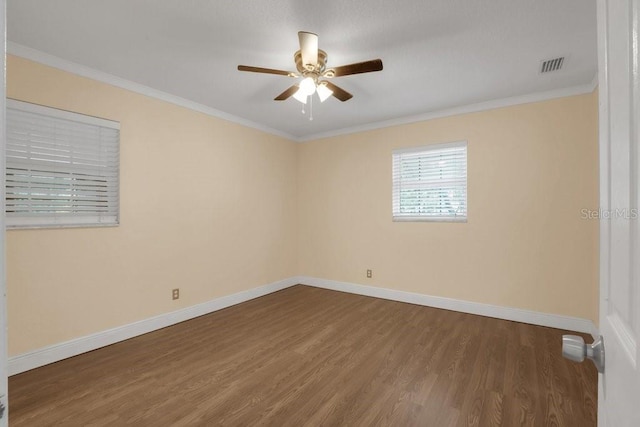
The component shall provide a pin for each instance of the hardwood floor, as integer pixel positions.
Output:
(308, 356)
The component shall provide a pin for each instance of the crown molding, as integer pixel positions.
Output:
(81, 70)
(463, 109)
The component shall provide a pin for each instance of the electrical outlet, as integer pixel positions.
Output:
(175, 294)
(369, 274)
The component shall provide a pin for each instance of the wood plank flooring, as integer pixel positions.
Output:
(313, 357)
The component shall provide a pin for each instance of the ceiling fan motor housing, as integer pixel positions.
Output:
(309, 69)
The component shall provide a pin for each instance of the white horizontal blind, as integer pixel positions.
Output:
(62, 168)
(430, 183)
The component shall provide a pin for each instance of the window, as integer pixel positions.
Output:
(430, 183)
(62, 168)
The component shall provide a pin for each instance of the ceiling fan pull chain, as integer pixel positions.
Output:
(310, 108)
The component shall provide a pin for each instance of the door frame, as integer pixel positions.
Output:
(3, 284)
(605, 180)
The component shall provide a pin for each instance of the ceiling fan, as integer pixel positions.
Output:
(311, 64)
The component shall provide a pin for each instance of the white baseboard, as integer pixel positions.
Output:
(499, 312)
(57, 352)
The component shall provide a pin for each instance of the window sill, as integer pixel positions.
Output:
(428, 219)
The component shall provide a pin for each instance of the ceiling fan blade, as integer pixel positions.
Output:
(338, 92)
(266, 70)
(357, 68)
(308, 48)
(287, 93)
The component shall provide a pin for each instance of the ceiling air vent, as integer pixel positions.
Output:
(551, 65)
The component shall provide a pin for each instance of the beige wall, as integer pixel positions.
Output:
(215, 208)
(531, 169)
(206, 205)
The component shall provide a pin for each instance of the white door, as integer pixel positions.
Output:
(3, 288)
(619, 91)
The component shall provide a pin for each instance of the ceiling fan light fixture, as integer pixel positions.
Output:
(307, 86)
(323, 92)
(300, 96)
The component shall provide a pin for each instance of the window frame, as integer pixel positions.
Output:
(396, 184)
(55, 220)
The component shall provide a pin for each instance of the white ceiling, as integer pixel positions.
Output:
(437, 54)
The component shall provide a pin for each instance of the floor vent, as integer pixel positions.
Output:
(551, 65)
